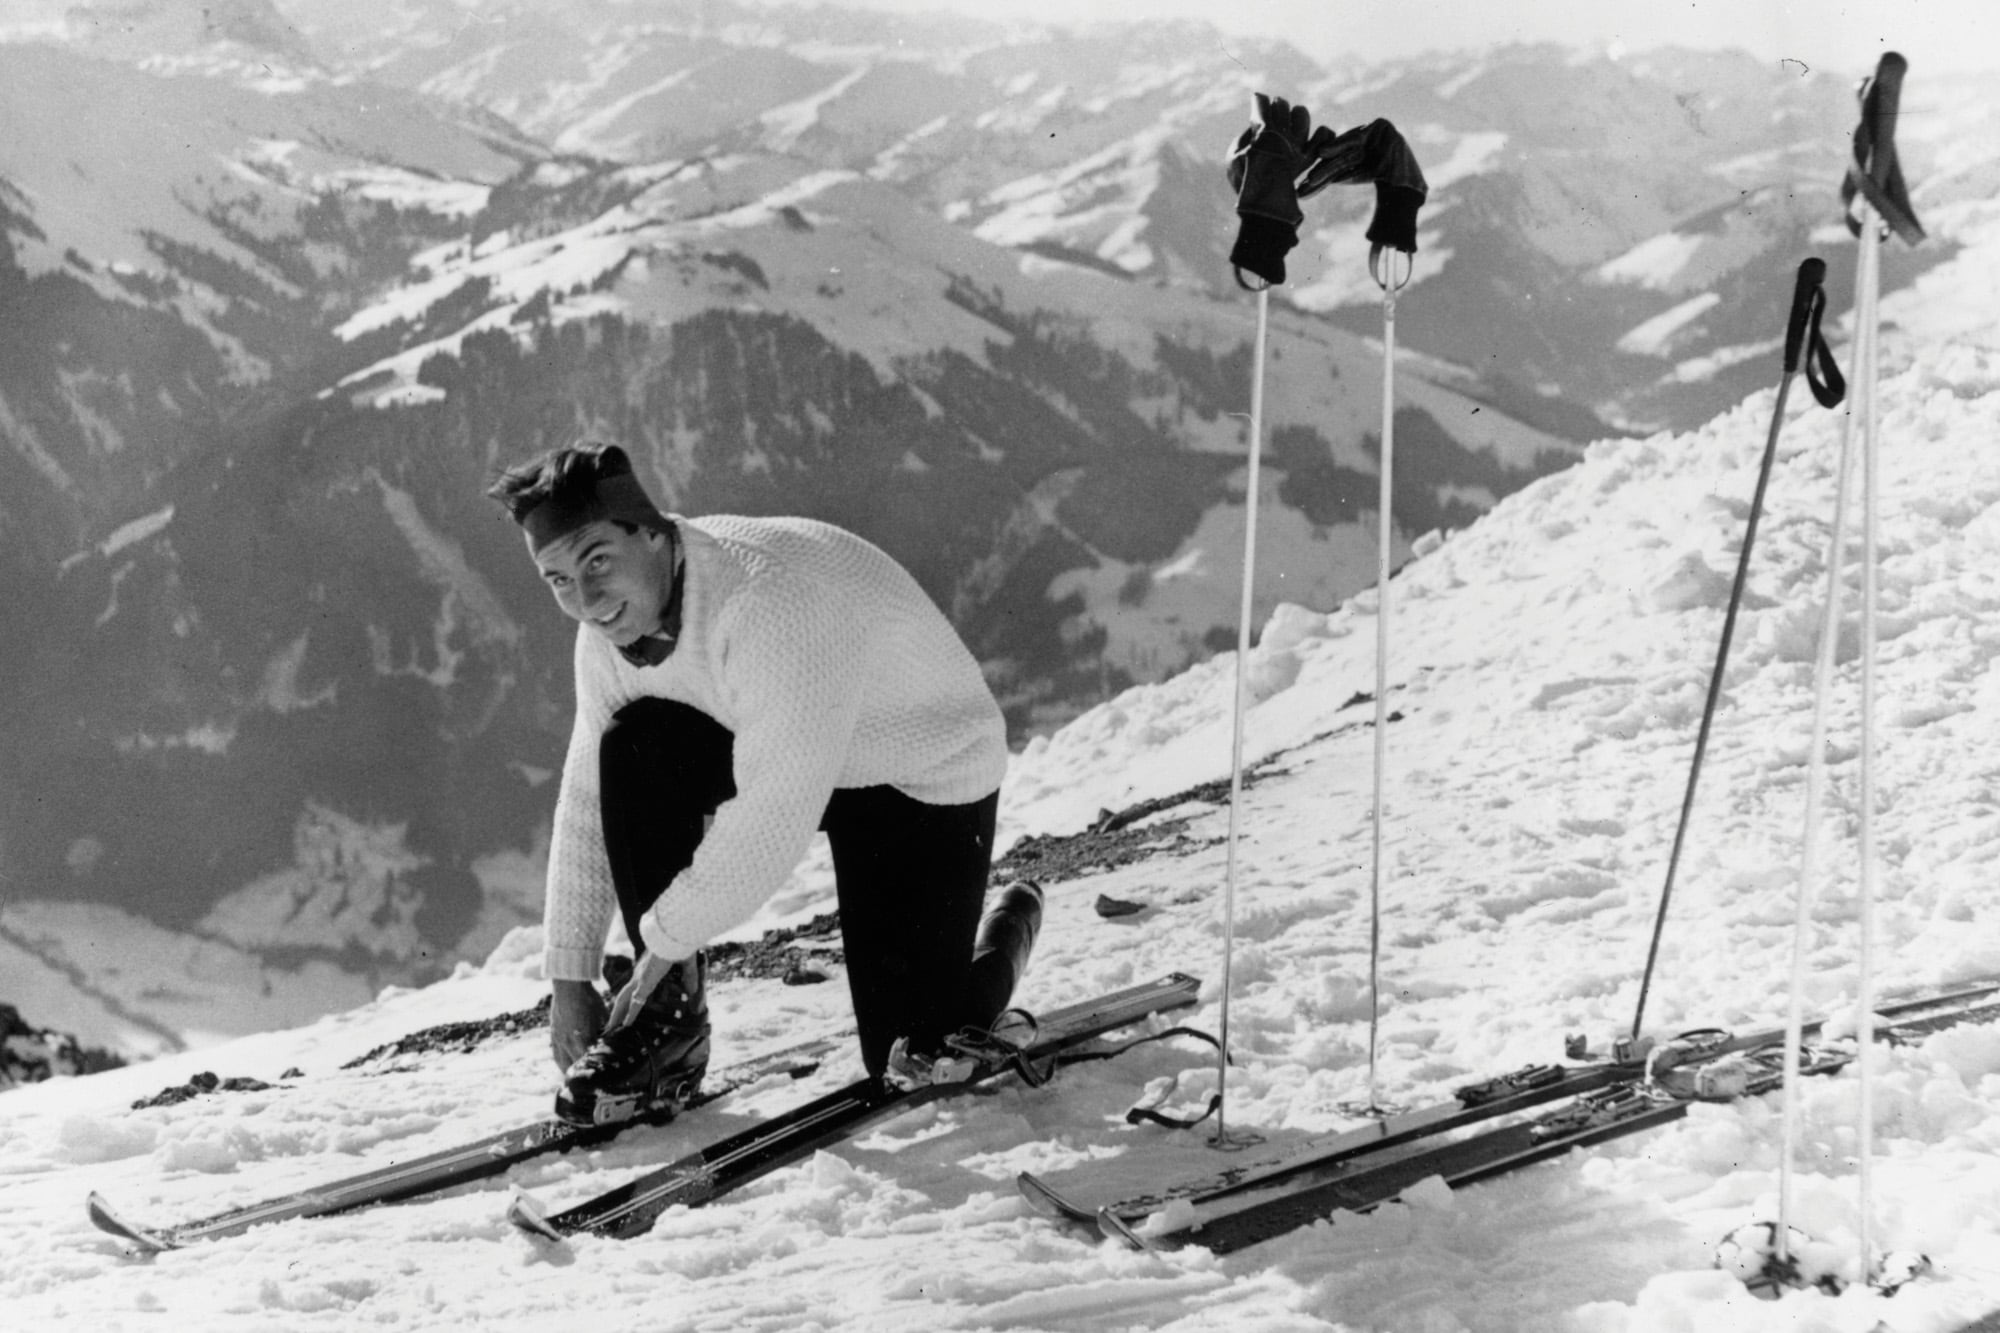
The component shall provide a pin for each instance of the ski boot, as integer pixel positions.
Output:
(1000, 951)
(999, 956)
(968, 1054)
(651, 1066)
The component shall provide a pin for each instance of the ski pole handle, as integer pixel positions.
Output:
(1807, 296)
(1883, 102)
(1873, 170)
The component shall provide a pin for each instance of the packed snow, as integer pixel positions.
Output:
(1548, 671)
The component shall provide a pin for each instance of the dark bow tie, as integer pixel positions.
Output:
(648, 650)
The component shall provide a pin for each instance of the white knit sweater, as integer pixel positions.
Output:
(832, 668)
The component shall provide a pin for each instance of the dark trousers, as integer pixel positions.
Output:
(911, 877)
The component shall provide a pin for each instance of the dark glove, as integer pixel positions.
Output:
(1374, 152)
(1263, 169)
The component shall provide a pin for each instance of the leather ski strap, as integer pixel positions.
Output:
(1803, 336)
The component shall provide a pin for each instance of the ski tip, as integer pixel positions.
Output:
(530, 1218)
(1048, 1202)
(1117, 1228)
(105, 1218)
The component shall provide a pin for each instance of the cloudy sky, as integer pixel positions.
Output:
(1933, 34)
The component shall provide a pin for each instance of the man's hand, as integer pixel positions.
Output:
(576, 1019)
(646, 978)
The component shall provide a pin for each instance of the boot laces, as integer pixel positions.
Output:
(618, 1053)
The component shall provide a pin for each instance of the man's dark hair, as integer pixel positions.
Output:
(568, 474)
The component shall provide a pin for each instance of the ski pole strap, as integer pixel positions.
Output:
(1874, 173)
(1383, 271)
(1108, 1052)
(1802, 335)
(1149, 1112)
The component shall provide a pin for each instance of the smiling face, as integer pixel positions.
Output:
(610, 578)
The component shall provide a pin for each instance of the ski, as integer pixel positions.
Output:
(1243, 1219)
(477, 1160)
(1528, 1087)
(1521, 1090)
(1235, 1220)
(708, 1173)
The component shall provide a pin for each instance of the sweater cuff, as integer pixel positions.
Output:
(572, 964)
(1395, 221)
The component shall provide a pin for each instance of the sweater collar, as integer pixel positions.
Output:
(649, 650)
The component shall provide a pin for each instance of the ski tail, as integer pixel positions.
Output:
(143, 1239)
(1000, 952)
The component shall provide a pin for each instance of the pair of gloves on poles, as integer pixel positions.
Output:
(1282, 159)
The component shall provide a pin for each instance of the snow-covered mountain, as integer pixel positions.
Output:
(286, 281)
(1549, 668)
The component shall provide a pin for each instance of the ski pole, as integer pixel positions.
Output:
(1244, 611)
(1871, 482)
(1876, 198)
(1378, 153)
(1862, 372)
(1803, 341)
(1876, 176)
(1275, 164)
(1263, 169)
(1795, 1019)
(1382, 271)
(1829, 634)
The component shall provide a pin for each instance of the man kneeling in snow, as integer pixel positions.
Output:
(741, 682)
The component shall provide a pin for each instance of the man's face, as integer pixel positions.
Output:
(608, 578)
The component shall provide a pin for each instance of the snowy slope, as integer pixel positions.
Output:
(1549, 669)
